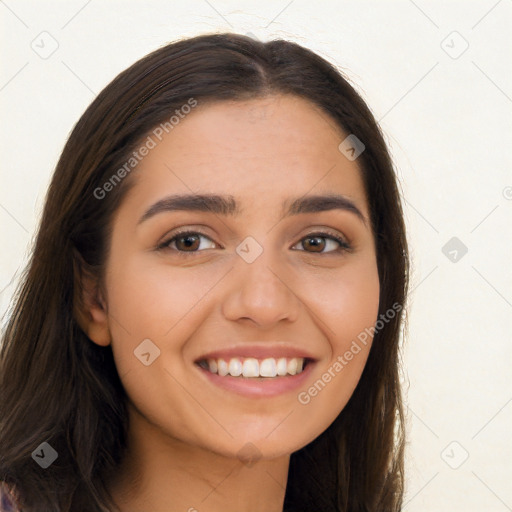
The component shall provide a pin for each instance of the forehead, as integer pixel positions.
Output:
(255, 150)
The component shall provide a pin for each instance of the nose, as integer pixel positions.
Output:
(261, 291)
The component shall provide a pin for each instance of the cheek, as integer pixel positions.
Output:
(347, 301)
(150, 298)
(150, 301)
(348, 307)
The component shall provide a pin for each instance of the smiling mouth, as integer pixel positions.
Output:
(252, 368)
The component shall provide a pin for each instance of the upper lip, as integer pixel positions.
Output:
(257, 352)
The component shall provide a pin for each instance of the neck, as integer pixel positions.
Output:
(163, 474)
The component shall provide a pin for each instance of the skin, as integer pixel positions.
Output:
(185, 433)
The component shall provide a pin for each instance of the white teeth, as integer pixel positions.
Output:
(212, 364)
(282, 366)
(268, 368)
(292, 366)
(252, 367)
(235, 367)
(223, 367)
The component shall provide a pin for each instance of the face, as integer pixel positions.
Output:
(267, 283)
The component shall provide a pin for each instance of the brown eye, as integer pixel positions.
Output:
(186, 241)
(318, 242)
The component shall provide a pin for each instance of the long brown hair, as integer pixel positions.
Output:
(57, 386)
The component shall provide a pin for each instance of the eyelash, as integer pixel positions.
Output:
(344, 245)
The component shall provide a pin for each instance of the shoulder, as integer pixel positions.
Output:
(6, 499)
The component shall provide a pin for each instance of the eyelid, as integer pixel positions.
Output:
(345, 244)
(167, 239)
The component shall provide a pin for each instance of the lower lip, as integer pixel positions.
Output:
(255, 387)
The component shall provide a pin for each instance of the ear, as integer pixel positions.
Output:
(89, 306)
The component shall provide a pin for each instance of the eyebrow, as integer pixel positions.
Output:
(227, 205)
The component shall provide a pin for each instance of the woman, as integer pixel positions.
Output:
(210, 319)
